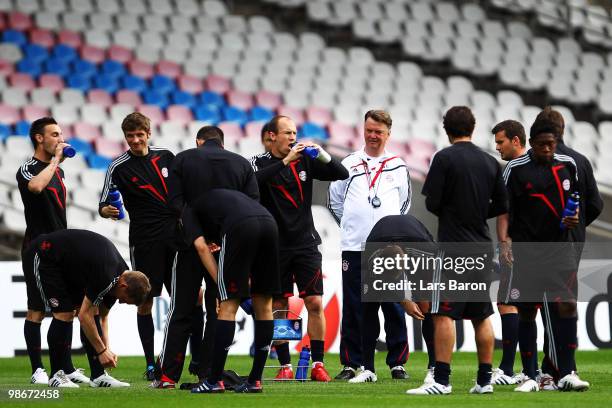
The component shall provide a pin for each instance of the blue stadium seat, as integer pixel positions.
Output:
(22, 128)
(78, 81)
(162, 84)
(311, 130)
(5, 131)
(236, 115)
(14, 37)
(260, 114)
(30, 67)
(57, 66)
(134, 83)
(183, 98)
(82, 147)
(207, 114)
(96, 161)
(84, 68)
(113, 68)
(212, 99)
(35, 53)
(64, 52)
(107, 82)
(154, 97)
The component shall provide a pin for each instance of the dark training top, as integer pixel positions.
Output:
(399, 228)
(538, 193)
(464, 187)
(591, 204)
(286, 191)
(142, 182)
(44, 212)
(90, 264)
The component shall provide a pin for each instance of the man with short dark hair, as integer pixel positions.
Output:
(43, 193)
(78, 269)
(285, 177)
(464, 187)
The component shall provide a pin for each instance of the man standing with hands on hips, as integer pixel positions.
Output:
(378, 185)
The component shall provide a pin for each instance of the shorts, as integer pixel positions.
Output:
(303, 267)
(463, 310)
(248, 260)
(45, 285)
(156, 260)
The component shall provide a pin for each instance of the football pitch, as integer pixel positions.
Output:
(595, 366)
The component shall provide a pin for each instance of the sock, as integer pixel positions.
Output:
(317, 350)
(427, 328)
(566, 343)
(68, 366)
(146, 332)
(510, 328)
(484, 374)
(223, 340)
(94, 365)
(528, 333)
(31, 332)
(56, 338)
(264, 329)
(197, 329)
(282, 350)
(442, 373)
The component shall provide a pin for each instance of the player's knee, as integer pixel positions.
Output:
(64, 316)
(567, 309)
(35, 316)
(314, 305)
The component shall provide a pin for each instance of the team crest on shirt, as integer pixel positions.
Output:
(345, 265)
(164, 172)
(566, 185)
(389, 178)
(515, 294)
(53, 302)
(45, 245)
(302, 175)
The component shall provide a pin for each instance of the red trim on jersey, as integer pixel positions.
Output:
(283, 190)
(154, 191)
(59, 177)
(297, 178)
(154, 163)
(547, 202)
(555, 169)
(57, 197)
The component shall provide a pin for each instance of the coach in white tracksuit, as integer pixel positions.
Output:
(378, 185)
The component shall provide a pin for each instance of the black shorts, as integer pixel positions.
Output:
(248, 260)
(463, 310)
(302, 267)
(156, 260)
(45, 285)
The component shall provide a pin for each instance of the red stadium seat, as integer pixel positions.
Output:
(2, 21)
(119, 53)
(108, 148)
(179, 113)
(217, 84)
(297, 115)
(93, 54)
(141, 69)
(70, 38)
(268, 100)
(240, 99)
(21, 80)
(169, 69)
(33, 112)
(231, 131)
(320, 116)
(421, 149)
(44, 38)
(253, 129)
(87, 131)
(6, 67)
(52, 81)
(190, 84)
(341, 134)
(129, 98)
(9, 114)
(100, 97)
(154, 113)
(19, 21)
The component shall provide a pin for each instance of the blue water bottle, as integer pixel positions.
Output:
(311, 152)
(570, 208)
(247, 306)
(301, 373)
(68, 151)
(114, 199)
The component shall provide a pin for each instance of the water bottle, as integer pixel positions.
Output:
(247, 306)
(311, 152)
(69, 151)
(301, 373)
(114, 199)
(570, 208)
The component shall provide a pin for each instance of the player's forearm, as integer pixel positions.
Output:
(39, 182)
(104, 326)
(502, 223)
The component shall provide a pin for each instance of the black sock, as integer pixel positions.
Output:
(68, 366)
(146, 331)
(282, 350)
(317, 350)
(224, 337)
(528, 333)
(484, 374)
(94, 365)
(442, 373)
(197, 329)
(427, 328)
(566, 343)
(31, 332)
(57, 336)
(264, 329)
(510, 324)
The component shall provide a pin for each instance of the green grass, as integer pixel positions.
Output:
(595, 367)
